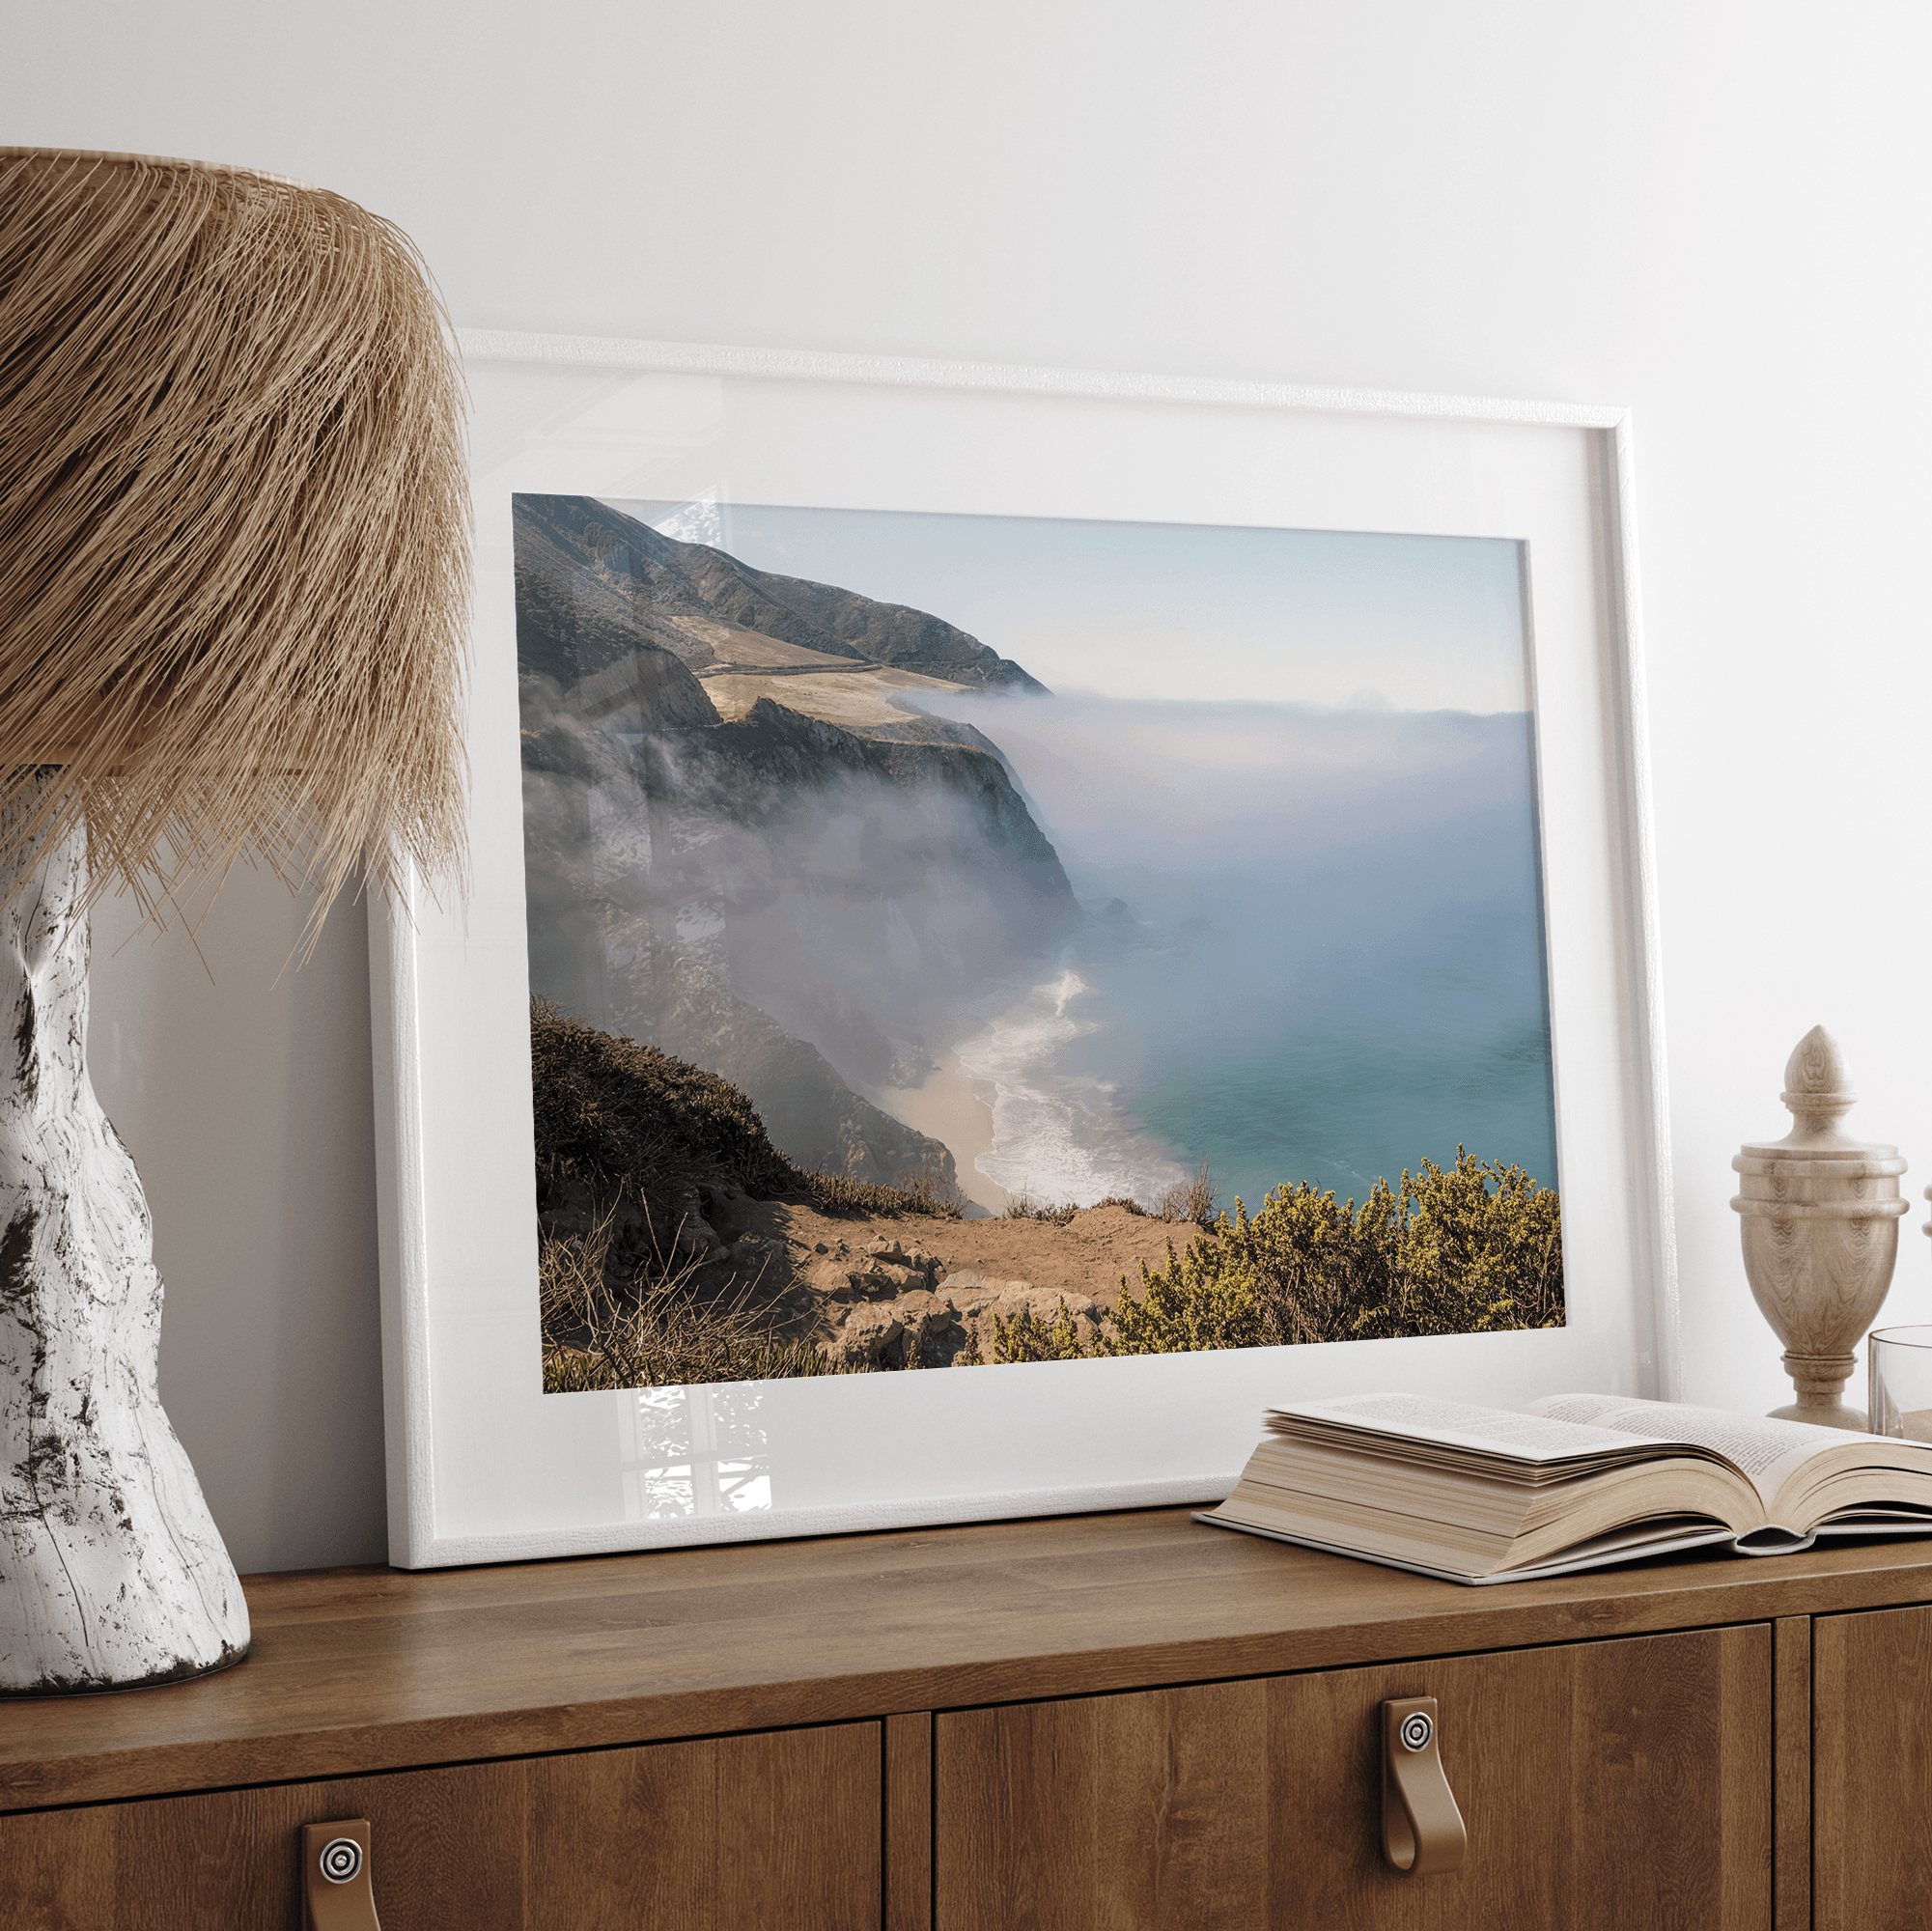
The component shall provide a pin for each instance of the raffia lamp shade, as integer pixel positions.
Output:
(233, 587)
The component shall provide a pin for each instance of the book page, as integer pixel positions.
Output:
(1525, 1436)
(1765, 1451)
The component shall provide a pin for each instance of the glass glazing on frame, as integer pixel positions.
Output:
(962, 940)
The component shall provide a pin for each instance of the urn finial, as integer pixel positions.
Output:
(1818, 1089)
(1820, 1214)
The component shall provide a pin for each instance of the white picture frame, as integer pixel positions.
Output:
(482, 1465)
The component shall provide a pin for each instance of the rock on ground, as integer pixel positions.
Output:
(882, 1293)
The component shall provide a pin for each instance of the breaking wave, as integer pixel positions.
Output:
(1059, 1134)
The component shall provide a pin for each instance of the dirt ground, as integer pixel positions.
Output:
(876, 1292)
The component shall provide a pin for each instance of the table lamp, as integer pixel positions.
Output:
(234, 590)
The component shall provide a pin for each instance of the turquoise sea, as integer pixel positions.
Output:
(1312, 951)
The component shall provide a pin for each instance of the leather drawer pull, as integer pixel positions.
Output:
(1423, 1831)
(336, 1892)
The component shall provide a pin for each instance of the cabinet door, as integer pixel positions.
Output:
(1619, 1784)
(778, 1830)
(1872, 1769)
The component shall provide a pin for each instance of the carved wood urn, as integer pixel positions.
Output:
(1821, 1217)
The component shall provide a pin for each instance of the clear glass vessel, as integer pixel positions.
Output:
(1901, 1382)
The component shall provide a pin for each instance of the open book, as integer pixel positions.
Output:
(1486, 1495)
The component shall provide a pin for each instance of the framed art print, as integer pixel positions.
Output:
(1018, 918)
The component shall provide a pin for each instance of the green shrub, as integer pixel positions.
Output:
(632, 1123)
(1026, 1338)
(1471, 1248)
(626, 1118)
(916, 1193)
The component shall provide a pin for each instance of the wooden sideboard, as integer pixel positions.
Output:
(1114, 1721)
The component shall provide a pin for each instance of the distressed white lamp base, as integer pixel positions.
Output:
(112, 1573)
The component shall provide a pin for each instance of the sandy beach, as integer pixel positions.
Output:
(949, 1108)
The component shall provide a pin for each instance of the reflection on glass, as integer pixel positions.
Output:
(1106, 924)
(693, 1451)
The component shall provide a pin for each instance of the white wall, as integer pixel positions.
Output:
(1714, 213)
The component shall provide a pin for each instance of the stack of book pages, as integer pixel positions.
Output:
(1575, 1481)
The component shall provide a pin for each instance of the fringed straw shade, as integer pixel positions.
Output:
(234, 517)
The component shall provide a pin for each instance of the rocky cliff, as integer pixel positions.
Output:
(593, 582)
(788, 902)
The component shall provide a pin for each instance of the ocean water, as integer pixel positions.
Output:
(1061, 1132)
(1312, 950)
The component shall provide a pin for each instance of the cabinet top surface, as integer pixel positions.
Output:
(364, 1669)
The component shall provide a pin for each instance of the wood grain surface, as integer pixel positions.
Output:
(361, 1670)
(1872, 1769)
(745, 1833)
(909, 1822)
(1621, 1786)
(1791, 1797)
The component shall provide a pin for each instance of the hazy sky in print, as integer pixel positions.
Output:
(1170, 610)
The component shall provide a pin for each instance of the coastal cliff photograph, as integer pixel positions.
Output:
(960, 941)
